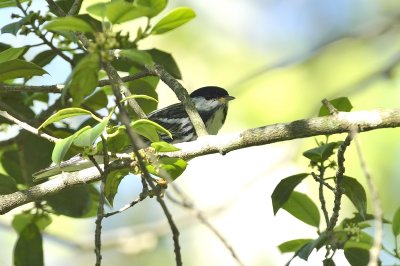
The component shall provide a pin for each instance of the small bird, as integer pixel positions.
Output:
(212, 104)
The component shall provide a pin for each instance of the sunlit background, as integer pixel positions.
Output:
(279, 59)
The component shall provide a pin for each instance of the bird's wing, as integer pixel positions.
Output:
(173, 118)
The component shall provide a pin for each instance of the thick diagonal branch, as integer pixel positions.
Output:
(183, 96)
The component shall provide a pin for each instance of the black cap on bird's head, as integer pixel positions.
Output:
(212, 92)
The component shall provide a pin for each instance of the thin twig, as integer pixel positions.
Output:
(124, 118)
(43, 38)
(200, 216)
(113, 75)
(128, 78)
(59, 87)
(174, 229)
(378, 214)
(321, 181)
(75, 7)
(126, 207)
(100, 209)
(10, 88)
(27, 127)
(332, 109)
(338, 180)
(99, 217)
(56, 8)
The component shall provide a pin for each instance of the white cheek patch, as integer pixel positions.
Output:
(204, 105)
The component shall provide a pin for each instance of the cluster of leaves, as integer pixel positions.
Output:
(349, 234)
(85, 109)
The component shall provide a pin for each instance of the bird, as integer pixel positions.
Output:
(211, 103)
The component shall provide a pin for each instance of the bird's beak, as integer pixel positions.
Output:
(226, 99)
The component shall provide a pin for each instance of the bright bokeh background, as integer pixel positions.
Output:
(279, 59)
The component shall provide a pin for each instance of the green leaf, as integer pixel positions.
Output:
(137, 56)
(145, 86)
(112, 182)
(96, 25)
(62, 146)
(10, 163)
(117, 139)
(168, 168)
(396, 223)
(356, 193)
(303, 208)
(328, 262)
(99, 9)
(361, 221)
(43, 220)
(28, 250)
(163, 146)
(14, 27)
(8, 3)
(167, 61)
(94, 196)
(305, 251)
(69, 24)
(342, 104)
(357, 256)
(142, 96)
(363, 241)
(12, 53)
(120, 11)
(65, 6)
(88, 137)
(44, 58)
(148, 129)
(7, 185)
(84, 78)
(284, 189)
(74, 202)
(293, 245)
(22, 220)
(153, 7)
(65, 113)
(35, 151)
(96, 101)
(17, 68)
(321, 153)
(173, 20)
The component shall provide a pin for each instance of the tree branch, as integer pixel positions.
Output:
(75, 7)
(339, 181)
(183, 96)
(51, 187)
(341, 123)
(113, 76)
(27, 127)
(327, 125)
(59, 87)
(27, 88)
